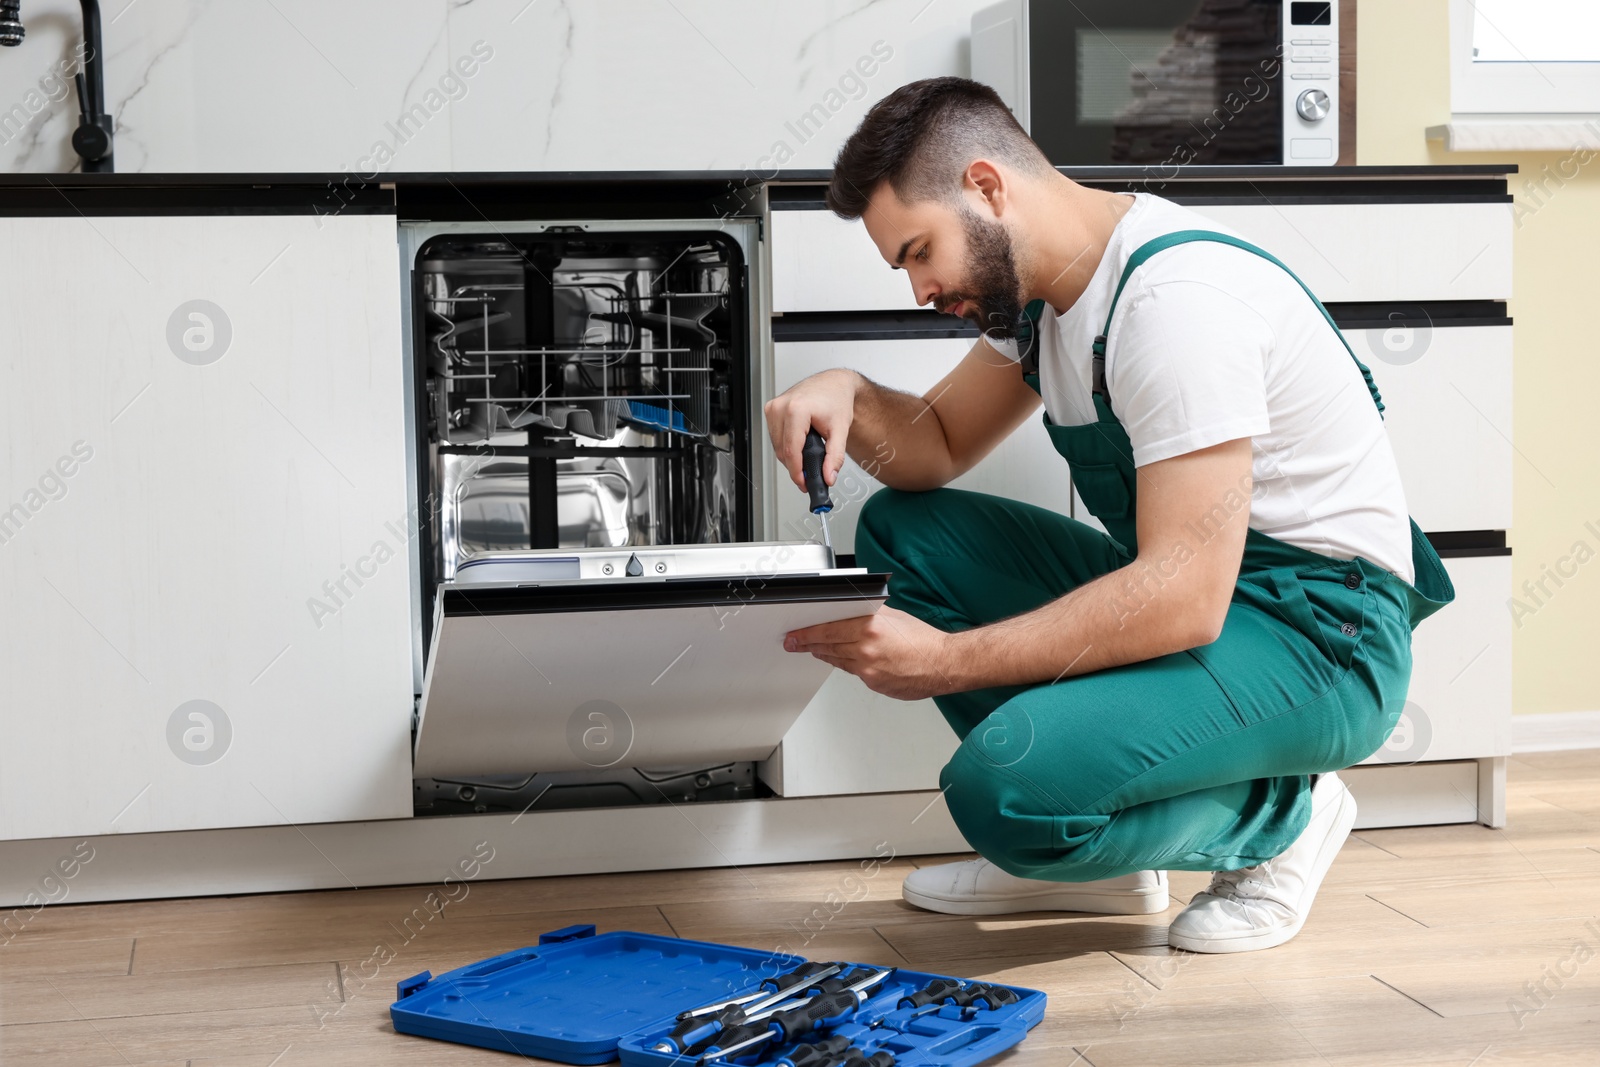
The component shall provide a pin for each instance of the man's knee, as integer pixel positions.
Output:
(1027, 828)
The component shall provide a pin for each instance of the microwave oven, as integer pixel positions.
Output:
(1167, 82)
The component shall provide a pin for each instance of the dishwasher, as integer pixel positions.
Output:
(599, 621)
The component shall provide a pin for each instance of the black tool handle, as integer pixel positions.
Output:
(842, 982)
(817, 1054)
(993, 996)
(733, 1035)
(811, 457)
(935, 992)
(829, 1009)
(805, 970)
(856, 1058)
(698, 1028)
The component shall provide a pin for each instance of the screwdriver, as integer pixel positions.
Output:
(829, 1009)
(994, 997)
(736, 1024)
(815, 1054)
(935, 992)
(835, 1051)
(802, 977)
(851, 985)
(811, 457)
(856, 1058)
(704, 1023)
(825, 1010)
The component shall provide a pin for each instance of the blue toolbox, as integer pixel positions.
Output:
(653, 1001)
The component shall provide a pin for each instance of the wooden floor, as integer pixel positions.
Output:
(1454, 945)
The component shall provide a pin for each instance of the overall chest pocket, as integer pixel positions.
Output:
(1101, 460)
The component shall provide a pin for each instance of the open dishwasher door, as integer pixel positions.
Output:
(656, 656)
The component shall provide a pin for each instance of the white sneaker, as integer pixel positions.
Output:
(1265, 905)
(978, 887)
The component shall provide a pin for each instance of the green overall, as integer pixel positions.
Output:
(1197, 760)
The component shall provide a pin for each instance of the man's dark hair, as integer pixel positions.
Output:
(921, 138)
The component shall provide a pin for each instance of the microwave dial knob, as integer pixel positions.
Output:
(1312, 105)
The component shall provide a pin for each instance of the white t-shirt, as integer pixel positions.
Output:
(1212, 343)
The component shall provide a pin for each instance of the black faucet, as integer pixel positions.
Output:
(92, 139)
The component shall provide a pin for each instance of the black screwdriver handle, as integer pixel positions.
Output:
(697, 1028)
(935, 992)
(995, 996)
(856, 1058)
(733, 1035)
(817, 1054)
(805, 970)
(828, 1009)
(839, 983)
(811, 457)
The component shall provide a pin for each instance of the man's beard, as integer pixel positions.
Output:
(994, 287)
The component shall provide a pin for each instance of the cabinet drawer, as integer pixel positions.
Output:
(1344, 252)
(1448, 412)
(821, 262)
(1369, 252)
(1459, 704)
(1023, 467)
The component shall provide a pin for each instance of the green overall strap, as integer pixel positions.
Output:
(1178, 237)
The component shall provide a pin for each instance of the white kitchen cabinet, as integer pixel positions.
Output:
(207, 503)
(1448, 413)
(1461, 672)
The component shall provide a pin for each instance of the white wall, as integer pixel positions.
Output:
(312, 85)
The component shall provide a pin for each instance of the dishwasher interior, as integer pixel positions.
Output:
(584, 400)
(583, 391)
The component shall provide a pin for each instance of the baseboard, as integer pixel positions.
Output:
(1555, 732)
(275, 859)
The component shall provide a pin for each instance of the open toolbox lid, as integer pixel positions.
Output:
(584, 998)
(668, 667)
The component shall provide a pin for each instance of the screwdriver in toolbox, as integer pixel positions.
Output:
(811, 457)
(802, 977)
(935, 992)
(827, 1009)
(702, 1024)
(854, 1057)
(994, 997)
(834, 1051)
(970, 999)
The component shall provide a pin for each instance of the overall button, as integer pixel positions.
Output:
(1352, 581)
(1349, 629)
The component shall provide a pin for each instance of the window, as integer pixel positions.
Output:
(1534, 58)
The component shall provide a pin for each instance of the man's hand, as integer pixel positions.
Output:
(824, 402)
(894, 653)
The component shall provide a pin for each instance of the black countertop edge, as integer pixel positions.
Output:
(925, 323)
(1264, 171)
(726, 177)
(1456, 544)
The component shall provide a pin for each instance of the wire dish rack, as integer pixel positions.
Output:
(581, 391)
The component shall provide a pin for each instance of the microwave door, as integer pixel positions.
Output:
(1147, 83)
(643, 673)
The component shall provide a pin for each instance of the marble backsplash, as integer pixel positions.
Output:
(364, 86)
